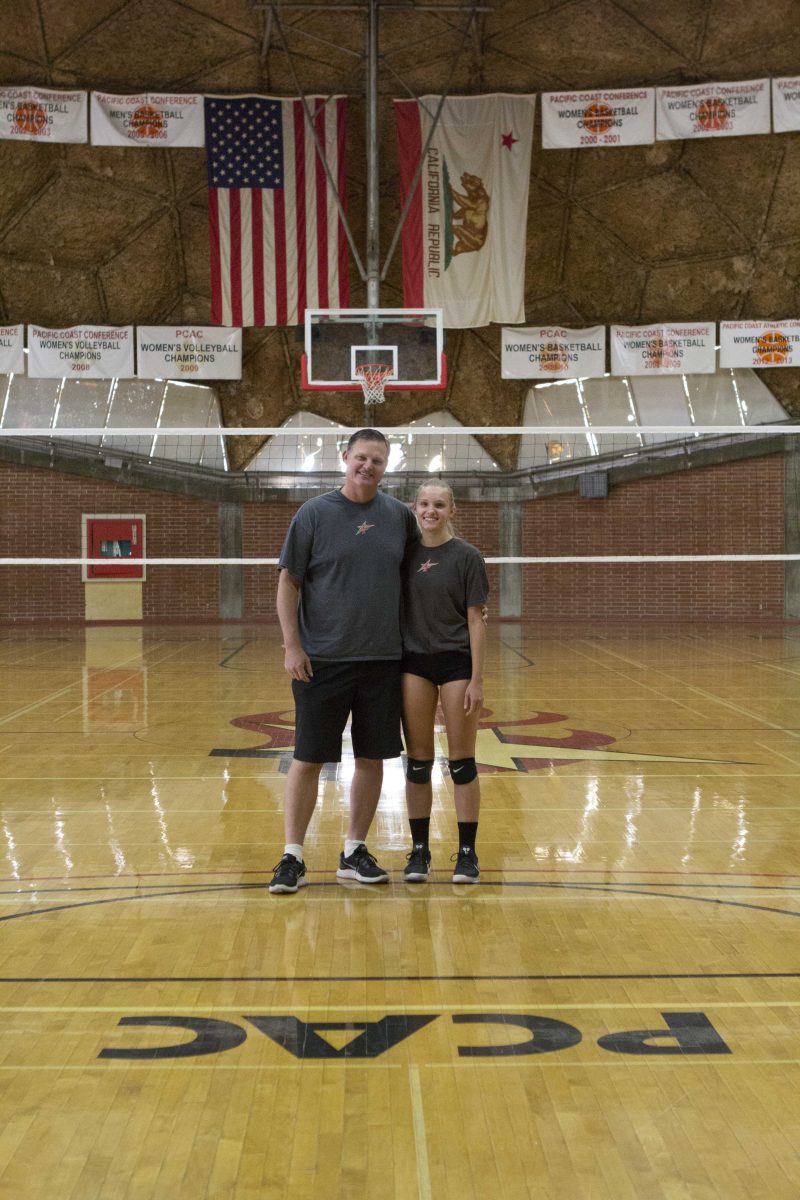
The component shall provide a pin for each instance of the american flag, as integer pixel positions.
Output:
(277, 242)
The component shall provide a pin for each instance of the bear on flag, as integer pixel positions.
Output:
(464, 233)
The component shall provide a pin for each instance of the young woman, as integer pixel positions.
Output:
(444, 591)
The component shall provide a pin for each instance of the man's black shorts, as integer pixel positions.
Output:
(370, 691)
(440, 668)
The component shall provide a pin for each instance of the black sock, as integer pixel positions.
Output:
(467, 832)
(420, 830)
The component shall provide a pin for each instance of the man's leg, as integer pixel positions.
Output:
(355, 861)
(365, 792)
(302, 784)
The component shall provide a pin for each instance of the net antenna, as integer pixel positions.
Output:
(373, 378)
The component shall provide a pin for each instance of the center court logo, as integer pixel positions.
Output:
(506, 746)
(501, 745)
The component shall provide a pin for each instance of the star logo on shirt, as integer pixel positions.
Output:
(363, 527)
(508, 139)
(426, 566)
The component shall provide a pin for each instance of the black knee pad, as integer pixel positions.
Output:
(463, 770)
(418, 770)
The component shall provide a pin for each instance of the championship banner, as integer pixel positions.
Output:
(86, 351)
(785, 104)
(674, 349)
(759, 343)
(553, 353)
(174, 352)
(12, 344)
(574, 119)
(30, 114)
(149, 119)
(464, 233)
(713, 110)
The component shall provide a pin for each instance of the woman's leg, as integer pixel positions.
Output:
(461, 734)
(462, 731)
(420, 698)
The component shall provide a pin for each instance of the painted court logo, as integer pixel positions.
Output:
(531, 743)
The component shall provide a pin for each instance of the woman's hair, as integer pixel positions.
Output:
(443, 487)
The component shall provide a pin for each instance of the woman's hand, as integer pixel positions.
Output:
(473, 697)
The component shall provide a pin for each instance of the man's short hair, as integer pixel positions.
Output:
(368, 435)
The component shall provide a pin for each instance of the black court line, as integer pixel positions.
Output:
(528, 661)
(233, 654)
(606, 889)
(417, 889)
(547, 978)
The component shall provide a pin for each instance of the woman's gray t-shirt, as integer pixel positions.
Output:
(347, 557)
(439, 584)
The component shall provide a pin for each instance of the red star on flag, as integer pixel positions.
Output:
(426, 566)
(508, 139)
(363, 528)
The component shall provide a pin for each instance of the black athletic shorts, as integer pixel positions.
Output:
(439, 668)
(370, 691)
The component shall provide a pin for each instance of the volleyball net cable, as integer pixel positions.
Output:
(497, 463)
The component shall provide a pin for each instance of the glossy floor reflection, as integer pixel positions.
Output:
(613, 1012)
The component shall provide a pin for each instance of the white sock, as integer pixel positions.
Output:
(296, 850)
(351, 844)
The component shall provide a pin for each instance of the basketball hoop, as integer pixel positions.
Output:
(373, 378)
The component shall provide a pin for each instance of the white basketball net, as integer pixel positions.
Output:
(373, 378)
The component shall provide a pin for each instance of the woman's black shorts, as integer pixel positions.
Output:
(438, 668)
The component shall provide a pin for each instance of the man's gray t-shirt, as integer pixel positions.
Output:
(347, 557)
(439, 584)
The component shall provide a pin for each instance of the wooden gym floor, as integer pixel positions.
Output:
(613, 1012)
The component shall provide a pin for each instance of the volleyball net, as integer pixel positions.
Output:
(124, 469)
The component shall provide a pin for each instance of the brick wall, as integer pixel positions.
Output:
(732, 508)
(40, 515)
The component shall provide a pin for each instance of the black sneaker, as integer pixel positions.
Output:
(418, 865)
(466, 869)
(361, 865)
(289, 875)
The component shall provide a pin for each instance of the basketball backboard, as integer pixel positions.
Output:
(339, 342)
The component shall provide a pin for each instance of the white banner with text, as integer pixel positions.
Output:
(552, 352)
(82, 351)
(29, 114)
(785, 104)
(574, 119)
(759, 343)
(713, 110)
(12, 349)
(149, 119)
(673, 349)
(181, 352)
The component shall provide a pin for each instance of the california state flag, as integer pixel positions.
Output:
(464, 234)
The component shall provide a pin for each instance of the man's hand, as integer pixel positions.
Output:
(297, 663)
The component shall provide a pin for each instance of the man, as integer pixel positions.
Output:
(339, 611)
